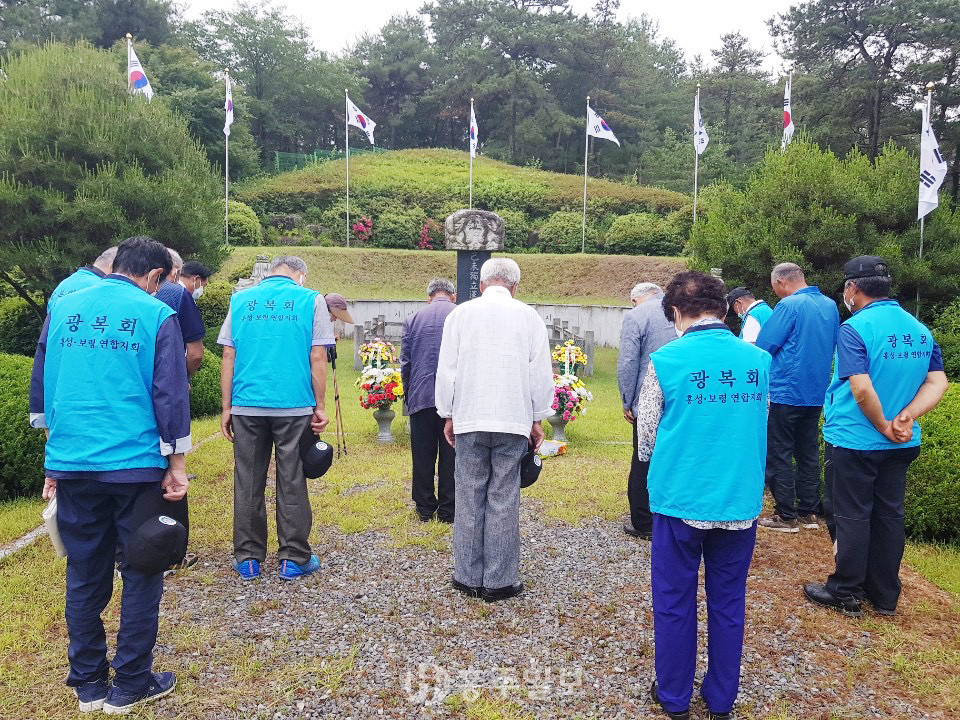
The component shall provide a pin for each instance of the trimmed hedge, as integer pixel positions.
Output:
(563, 233)
(933, 482)
(214, 305)
(643, 234)
(245, 226)
(205, 387)
(21, 447)
(19, 327)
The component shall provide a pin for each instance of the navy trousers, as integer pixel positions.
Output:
(92, 517)
(676, 552)
(793, 434)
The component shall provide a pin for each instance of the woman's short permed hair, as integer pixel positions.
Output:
(695, 293)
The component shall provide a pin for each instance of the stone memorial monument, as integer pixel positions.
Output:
(474, 234)
(259, 272)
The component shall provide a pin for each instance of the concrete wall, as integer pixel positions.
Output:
(604, 320)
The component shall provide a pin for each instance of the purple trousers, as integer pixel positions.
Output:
(676, 553)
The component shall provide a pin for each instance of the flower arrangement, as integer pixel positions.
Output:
(569, 358)
(363, 229)
(377, 353)
(379, 383)
(570, 396)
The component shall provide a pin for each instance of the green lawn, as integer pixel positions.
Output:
(403, 274)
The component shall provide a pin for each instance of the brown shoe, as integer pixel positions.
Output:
(778, 524)
(810, 522)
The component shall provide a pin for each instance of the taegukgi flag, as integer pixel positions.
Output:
(136, 77)
(788, 126)
(700, 137)
(228, 107)
(358, 119)
(597, 127)
(933, 168)
(474, 131)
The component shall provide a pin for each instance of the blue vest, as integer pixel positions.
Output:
(98, 379)
(82, 278)
(899, 348)
(272, 326)
(760, 312)
(709, 458)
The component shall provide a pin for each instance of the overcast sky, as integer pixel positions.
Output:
(695, 25)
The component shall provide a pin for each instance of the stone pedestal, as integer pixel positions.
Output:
(474, 234)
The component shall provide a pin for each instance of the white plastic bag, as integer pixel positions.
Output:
(50, 521)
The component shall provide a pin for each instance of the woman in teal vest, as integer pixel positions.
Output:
(702, 422)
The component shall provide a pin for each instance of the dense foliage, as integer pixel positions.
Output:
(21, 447)
(245, 226)
(83, 164)
(19, 327)
(811, 207)
(214, 306)
(205, 387)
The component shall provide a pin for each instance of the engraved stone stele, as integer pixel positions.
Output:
(259, 272)
(474, 230)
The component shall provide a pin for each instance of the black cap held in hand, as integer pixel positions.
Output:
(530, 465)
(865, 266)
(315, 454)
(160, 533)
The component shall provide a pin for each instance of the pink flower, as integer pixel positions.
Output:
(566, 415)
(569, 405)
(554, 406)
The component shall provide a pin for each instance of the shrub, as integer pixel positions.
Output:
(21, 447)
(933, 482)
(244, 225)
(948, 320)
(19, 327)
(563, 233)
(214, 305)
(398, 227)
(516, 227)
(205, 387)
(950, 345)
(284, 222)
(643, 234)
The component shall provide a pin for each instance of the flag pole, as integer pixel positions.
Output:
(920, 254)
(346, 135)
(226, 178)
(470, 140)
(586, 151)
(129, 47)
(696, 162)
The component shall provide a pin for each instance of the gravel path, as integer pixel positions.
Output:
(578, 644)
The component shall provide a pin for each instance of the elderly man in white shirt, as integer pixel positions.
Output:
(494, 387)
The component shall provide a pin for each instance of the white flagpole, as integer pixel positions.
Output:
(696, 161)
(586, 151)
(346, 135)
(920, 255)
(129, 48)
(470, 140)
(226, 178)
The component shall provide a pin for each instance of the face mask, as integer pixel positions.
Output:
(197, 293)
(301, 280)
(848, 304)
(676, 323)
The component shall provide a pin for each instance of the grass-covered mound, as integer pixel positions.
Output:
(404, 190)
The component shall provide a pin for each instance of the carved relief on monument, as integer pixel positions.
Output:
(474, 230)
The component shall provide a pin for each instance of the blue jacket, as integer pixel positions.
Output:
(801, 335)
(419, 352)
(897, 351)
(710, 454)
(82, 278)
(272, 332)
(645, 329)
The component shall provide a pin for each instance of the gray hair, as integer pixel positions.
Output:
(644, 288)
(786, 271)
(500, 270)
(175, 258)
(291, 261)
(106, 257)
(440, 285)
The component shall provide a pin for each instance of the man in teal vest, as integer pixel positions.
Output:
(753, 313)
(888, 372)
(273, 382)
(85, 276)
(110, 384)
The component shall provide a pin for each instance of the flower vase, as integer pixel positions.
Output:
(384, 418)
(558, 423)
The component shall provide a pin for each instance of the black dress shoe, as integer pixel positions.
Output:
(880, 610)
(715, 715)
(685, 715)
(445, 520)
(505, 593)
(818, 593)
(424, 517)
(630, 530)
(467, 590)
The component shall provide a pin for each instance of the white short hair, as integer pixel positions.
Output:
(502, 270)
(786, 271)
(175, 258)
(644, 288)
(291, 261)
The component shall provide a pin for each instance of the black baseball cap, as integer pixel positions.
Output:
(865, 266)
(315, 454)
(161, 529)
(736, 294)
(530, 465)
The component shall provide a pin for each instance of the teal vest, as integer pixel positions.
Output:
(709, 458)
(899, 348)
(82, 278)
(272, 326)
(760, 312)
(98, 379)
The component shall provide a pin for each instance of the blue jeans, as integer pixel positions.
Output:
(675, 565)
(92, 517)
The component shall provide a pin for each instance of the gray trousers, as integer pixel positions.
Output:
(486, 529)
(254, 440)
